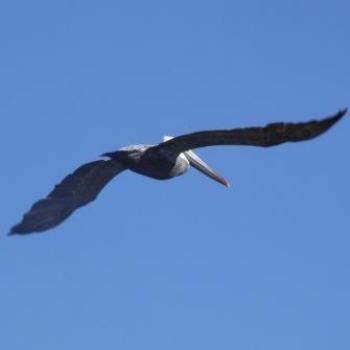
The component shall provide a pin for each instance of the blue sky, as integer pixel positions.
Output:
(187, 263)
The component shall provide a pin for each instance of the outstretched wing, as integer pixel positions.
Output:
(269, 135)
(76, 190)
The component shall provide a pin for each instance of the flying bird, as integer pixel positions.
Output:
(172, 157)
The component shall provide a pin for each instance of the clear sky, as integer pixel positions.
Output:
(182, 264)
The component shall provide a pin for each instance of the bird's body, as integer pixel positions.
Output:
(169, 159)
(145, 160)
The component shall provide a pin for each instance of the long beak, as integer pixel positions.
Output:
(203, 167)
(200, 165)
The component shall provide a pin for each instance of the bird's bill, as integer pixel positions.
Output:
(200, 165)
(203, 167)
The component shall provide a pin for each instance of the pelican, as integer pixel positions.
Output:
(170, 158)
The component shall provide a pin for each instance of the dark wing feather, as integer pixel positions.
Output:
(269, 135)
(76, 190)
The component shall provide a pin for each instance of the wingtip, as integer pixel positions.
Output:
(340, 114)
(333, 119)
(17, 230)
(12, 232)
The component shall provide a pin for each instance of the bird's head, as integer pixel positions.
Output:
(201, 165)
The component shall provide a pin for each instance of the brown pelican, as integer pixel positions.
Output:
(172, 157)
